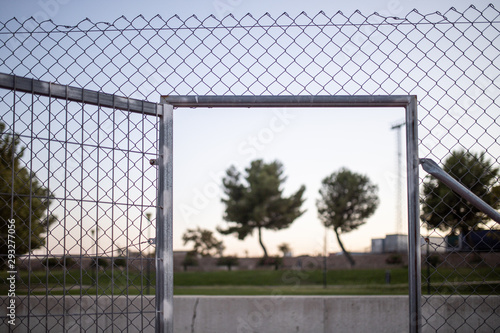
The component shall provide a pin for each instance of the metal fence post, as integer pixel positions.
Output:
(164, 254)
(414, 264)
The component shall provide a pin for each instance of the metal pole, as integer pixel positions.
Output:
(400, 173)
(428, 268)
(399, 219)
(164, 254)
(433, 168)
(317, 101)
(414, 259)
(76, 94)
(148, 257)
(93, 260)
(325, 253)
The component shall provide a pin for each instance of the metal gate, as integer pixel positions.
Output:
(88, 166)
(100, 307)
(409, 103)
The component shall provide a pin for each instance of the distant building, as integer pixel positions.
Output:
(396, 243)
(478, 241)
(378, 245)
(399, 243)
(390, 244)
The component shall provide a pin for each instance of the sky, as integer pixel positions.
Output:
(311, 143)
(71, 11)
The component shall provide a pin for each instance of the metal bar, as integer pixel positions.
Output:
(414, 264)
(47, 241)
(12, 175)
(127, 230)
(97, 220)
(82, 214)
(399, 211)
(30, 205)
(434, 169)
(287, 101)
(164, 252)
(113, 216)
(75, 94)
(66, 212)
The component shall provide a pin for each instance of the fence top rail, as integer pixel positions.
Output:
(75, 94)
(289, 101)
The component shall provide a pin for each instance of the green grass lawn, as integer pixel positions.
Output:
(288, 277)
(481, 280)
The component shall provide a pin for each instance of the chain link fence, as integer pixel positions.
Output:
(85, 168)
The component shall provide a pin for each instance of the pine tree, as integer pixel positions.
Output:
(258, 201)
(23, 200)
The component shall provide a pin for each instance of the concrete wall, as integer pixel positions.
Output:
(363, 261)
(253, 314)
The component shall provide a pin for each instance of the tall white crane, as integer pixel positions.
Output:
(399, 185)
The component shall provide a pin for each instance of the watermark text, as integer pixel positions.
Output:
(11, 272)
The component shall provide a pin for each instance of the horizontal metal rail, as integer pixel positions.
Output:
(434, 169)
(75, 94)
(288, 101)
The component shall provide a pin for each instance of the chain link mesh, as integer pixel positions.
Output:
(94, 160)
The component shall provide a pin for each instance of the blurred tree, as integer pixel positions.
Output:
(203, 241)
(444, 209)
(120, 262)
(347, 200)
(229, 262)
(99, 262)
(284, 248)
(275, 261)
(53, 262)
(22, 198)
(190, 259)
(259, 202)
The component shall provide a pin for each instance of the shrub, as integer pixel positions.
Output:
(227, 261)
(190, 260)
(51, 262)
(101, 262)
(434, 260)
(68, 262)
(120, 262)
(58, 262)
(277, 262)
(394, 259)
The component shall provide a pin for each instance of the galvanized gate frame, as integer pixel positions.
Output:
(164, 110)
(163, 258)
(409, 102)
